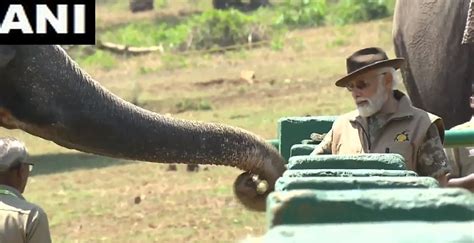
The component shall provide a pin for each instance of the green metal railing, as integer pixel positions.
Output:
(337, 190)
(459, 138)
(452, 138)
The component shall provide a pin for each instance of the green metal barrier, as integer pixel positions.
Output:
(346, 173)
(348, 183)
(347, 189)
(292, 130)
(275, 143)
(356, 161)
(459, 138)
(380, 232)
(302, 149)
(374, 205)
(453, 138)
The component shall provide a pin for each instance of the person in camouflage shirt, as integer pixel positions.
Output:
(385, 120)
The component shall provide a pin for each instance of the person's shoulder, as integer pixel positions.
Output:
(418, 111)
(407, 106)
(432, 118)
(18, 205)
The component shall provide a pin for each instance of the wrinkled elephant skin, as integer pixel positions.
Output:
(45, 93)
(440, 70)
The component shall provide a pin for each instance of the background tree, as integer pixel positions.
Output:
(141, 5)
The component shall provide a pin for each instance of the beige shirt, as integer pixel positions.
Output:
(398, 128)
(462, 158)
(21, 221)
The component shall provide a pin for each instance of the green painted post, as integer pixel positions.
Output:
(374, 205)
(346, 173)
(348, 183)
(357, 161)
(405, 231)
(292, 130)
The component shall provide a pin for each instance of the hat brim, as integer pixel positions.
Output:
(395, 63)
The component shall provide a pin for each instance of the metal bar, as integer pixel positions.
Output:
(452, 138)
(459, 138)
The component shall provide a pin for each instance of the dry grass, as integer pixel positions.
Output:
(93, 199)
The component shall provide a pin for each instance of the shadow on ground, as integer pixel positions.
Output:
(67, 162)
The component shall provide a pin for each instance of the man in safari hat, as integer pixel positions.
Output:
(385, 120)
(20, 220)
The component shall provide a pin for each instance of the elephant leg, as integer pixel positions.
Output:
(192, 167)
(172, 167)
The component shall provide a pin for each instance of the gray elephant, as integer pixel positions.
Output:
(45, 93)
(440, 69)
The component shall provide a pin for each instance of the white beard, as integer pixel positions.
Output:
(374, 103)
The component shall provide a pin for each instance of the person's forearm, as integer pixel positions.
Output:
(466, 182)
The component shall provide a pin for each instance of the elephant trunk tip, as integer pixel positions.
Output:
(249, 192)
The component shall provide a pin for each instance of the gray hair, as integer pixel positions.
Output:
(12, 151)
(395, 78)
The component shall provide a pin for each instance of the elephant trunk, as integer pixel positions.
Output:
(53, 98)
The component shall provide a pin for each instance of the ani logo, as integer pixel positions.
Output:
(402, 137)
(47, 22)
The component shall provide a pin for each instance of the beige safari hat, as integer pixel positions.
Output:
(12, 152)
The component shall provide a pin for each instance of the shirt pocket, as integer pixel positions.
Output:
(405, 149)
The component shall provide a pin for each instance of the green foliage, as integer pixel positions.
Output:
(214, 29)
(309, 13)
(161, 3)
(277, 43)
(225, 28)
(302, 13)
(147, 34)
(218, 28)
(352, 11)
(193, 105)
(174, 61)
(99, 58)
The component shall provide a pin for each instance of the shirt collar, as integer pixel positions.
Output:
(12, 190)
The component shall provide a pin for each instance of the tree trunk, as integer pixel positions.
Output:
(141, 5)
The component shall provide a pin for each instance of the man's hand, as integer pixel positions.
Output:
(466, 182)
(443, 179)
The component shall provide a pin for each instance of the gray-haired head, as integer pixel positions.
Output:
(12, 152)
